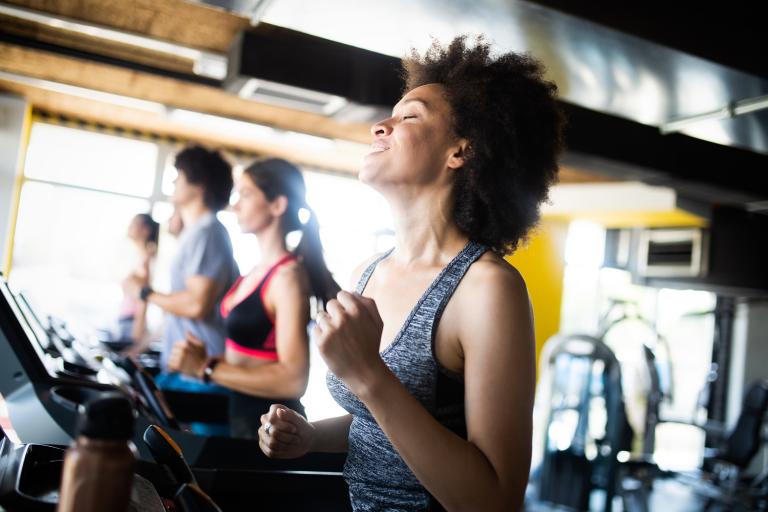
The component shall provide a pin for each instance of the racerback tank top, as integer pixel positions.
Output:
(378, 477)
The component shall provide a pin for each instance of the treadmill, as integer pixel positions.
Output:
(46, 377)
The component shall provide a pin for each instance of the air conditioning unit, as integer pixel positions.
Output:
(672, 253)
(284, 67)
(287, 96)
(727, 257)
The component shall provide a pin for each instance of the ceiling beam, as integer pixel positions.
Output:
(171, 92)
(697, 169)
(32, 31)
(176, 21)
(345, 159)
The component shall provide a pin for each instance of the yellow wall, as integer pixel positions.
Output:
(542, 263)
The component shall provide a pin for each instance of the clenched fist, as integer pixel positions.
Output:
(348, 336)
(188, 356)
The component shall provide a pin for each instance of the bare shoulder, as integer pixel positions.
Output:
(494, 314)
(492, 276)
(291, 276)
(492, 296)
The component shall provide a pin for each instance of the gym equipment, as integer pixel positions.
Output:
(46, 379)
(189, 496)
(152, 396)
(168, 454)
(720, 483)
(656, 360)
(586, 427)
(29, 475)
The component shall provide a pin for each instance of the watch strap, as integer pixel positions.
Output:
(145, 292)
(209, 367)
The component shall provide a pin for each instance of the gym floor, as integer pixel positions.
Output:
(666, 496)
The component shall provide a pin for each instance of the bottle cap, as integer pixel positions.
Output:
(109, 416)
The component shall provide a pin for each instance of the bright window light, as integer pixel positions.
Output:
(94, 160)
(71, 251)
(585, 245)
(353, 220)
(169, 176)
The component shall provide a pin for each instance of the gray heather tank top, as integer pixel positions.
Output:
(378, 478)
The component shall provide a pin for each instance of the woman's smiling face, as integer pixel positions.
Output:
(416, 144)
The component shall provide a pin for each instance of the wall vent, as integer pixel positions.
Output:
(672, 253)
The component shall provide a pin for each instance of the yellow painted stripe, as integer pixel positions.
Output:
(26, 130)
(635, 219)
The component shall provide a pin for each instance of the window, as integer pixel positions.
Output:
(355, 221)
(93, 160)
(80, 192)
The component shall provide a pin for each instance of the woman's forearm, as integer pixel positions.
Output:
(332, 434)
(139, 327)
(276, 379)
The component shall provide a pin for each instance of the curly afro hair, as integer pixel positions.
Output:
(209, 170)
(508, 113)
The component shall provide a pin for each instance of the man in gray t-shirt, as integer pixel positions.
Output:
(204, 251)
(203, 269)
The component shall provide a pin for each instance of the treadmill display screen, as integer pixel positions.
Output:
(21, 337)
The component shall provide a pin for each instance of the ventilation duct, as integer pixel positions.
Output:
(283, 67)
(288, 96)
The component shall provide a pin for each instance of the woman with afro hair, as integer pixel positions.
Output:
(433, 354)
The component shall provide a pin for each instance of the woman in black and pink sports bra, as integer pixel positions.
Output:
(266, 312)
(250, 327)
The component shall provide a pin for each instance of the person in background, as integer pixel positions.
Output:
(144, 233)
(433, 355)
(267, 311)
(203, 268)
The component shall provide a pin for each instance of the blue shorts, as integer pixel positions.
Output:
(186, 384)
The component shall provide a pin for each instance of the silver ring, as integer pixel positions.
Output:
(267, 427)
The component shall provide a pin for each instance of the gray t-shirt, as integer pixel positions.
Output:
(204, 250)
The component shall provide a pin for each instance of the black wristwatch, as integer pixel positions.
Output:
(209, 367)
(145, 292)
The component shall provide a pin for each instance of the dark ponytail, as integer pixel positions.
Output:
(153, 228)
(277, 177)
(310, 252)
